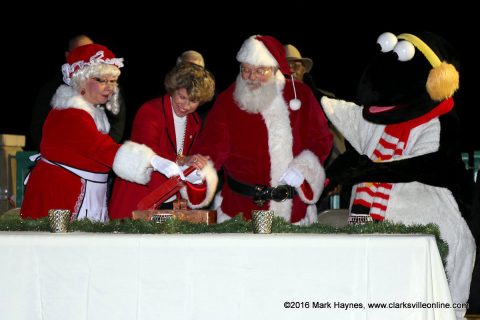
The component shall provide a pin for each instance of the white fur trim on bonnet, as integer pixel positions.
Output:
(69, 69)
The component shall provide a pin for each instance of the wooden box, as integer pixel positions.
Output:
(193, 216)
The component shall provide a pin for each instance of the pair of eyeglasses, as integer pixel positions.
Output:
(259, 72)
(113, 83)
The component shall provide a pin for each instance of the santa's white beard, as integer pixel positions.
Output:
(255, 100)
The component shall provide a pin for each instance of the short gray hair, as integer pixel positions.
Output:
(191, 56)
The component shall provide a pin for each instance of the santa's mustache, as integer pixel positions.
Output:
(253, 83)
(257, 98)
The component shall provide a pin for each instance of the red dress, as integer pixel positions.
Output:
(77, 154)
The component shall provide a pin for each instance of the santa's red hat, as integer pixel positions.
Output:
(264, 51)
(267, 51)
(88, 55)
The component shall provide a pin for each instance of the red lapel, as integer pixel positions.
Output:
(169, 123)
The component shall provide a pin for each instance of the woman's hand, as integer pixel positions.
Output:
(197, 160)
(166, 167)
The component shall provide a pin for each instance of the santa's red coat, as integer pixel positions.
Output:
(258, 148)
(154, 127)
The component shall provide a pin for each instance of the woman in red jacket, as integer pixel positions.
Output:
(168, 125)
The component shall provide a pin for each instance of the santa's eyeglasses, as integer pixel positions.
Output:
(258, 72)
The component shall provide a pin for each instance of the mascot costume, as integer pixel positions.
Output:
(406, 165)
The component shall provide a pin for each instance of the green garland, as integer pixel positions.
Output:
(13, 222)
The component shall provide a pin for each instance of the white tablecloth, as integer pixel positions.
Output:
(220, 276)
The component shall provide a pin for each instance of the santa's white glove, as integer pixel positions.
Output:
(195, 177)
(166, 167)
(292, 177)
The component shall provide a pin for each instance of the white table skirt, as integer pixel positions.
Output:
(219, 276)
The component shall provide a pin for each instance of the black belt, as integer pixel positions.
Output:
(262, 193)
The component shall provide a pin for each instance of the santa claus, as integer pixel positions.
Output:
(77, 152)
(270, 137)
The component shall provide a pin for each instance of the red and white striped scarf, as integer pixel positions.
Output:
(371, 198)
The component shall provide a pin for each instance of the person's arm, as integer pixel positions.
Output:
(306, 172)
(317, 134)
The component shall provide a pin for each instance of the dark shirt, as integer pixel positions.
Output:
(319, 93)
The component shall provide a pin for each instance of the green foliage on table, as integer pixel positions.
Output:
(12, 222)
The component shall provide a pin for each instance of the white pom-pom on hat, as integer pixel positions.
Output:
(295, 104)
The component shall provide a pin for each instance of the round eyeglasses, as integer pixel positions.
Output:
(258, 72)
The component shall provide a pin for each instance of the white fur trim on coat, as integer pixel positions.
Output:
(280, 144)
(311, 168)
(132, 162)
(310, 217)
(255, 53)
(66, 97)
(211, 178)
(222, 216)
(217, 205)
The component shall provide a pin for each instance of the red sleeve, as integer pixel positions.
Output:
(307, 190)
(71, 137)
(196, 192)
(316, 134)
(214, 138)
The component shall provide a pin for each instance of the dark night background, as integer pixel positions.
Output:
(151, 45)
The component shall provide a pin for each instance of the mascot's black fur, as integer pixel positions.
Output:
(389, 82)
